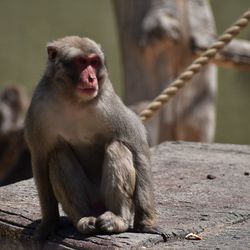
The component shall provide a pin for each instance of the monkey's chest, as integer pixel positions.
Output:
(80, 128)
(87, 134)
(91, 157)
(81, 135)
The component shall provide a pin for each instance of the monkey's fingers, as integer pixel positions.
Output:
(152, 231)
(156, 231)
(86, 225)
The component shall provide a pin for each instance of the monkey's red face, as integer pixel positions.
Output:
(87, 67)
(78, 67)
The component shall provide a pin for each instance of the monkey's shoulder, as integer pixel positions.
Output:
(127, 126)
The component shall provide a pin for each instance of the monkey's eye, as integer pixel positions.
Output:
(82, 61)
(94, 62)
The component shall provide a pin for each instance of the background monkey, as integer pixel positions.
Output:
(89, 152)
(14, 155)
(13, 104)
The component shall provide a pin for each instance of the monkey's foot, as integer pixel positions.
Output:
(86, 225)
(45, 229)
(152, 230)
(111, 223)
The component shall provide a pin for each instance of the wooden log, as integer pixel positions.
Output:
(235, 55)
(155, 38)
(187, 200)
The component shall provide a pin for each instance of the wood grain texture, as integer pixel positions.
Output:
(186, 200)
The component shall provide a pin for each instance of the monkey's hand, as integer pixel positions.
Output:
(45, 229)
(86, 225)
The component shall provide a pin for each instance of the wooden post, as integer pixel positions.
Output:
(157, 44)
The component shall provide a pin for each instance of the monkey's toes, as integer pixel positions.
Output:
(111, 223)
(105, 222)
(86, 225)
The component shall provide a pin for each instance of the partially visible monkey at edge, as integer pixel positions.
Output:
(89, 151)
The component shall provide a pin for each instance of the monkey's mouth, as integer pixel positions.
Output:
(86, 90)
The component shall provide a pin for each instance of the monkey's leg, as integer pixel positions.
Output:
(48, 202)
(144, 220)
(72, 188)
(118, 184)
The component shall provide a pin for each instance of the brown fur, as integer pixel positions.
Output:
(13, 103)
(89, 154)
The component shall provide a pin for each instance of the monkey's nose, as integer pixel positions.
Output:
(91, 78)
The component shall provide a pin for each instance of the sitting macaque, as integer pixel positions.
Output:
(89, 151)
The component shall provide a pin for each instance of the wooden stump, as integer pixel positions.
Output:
(186, 201)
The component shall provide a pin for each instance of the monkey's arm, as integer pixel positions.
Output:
(118, 184)
(48, 202)
(144, 220)
(143, 197)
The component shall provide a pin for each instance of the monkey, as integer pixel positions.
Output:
(15, 99)
(14, 155)
(89, 152)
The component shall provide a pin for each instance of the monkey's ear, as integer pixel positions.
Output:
(52, 52)
(102, 50)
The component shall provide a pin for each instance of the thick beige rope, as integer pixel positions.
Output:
(195, 67)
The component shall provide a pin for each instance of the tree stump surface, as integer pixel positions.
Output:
(199, 188)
